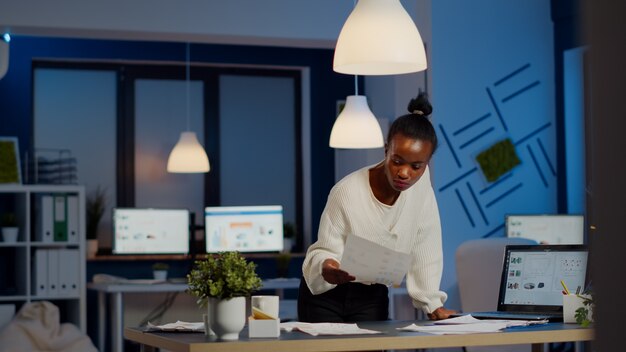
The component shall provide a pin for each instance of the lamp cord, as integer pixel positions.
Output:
(187, 77)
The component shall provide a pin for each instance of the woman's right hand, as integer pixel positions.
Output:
(333, 275)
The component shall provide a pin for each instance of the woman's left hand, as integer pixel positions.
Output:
(440, 313)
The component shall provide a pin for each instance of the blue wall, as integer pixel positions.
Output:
(492, 68)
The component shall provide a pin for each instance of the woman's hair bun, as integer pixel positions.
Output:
(420, 105)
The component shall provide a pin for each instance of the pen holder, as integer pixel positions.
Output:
(570, 304)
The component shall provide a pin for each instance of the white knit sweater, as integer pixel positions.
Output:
(352, 209)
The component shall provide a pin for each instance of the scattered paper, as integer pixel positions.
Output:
(371, 262)
(316, 329)
(177, 326)
(466, 324)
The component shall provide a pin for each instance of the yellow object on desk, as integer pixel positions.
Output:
(259, 314)
(564, 287)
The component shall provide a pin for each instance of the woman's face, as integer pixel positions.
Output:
(406, 160)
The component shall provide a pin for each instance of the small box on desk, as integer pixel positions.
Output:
(263, 327)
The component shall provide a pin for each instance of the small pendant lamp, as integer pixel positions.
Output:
(188, 155)
(356, 126)
(379, 38)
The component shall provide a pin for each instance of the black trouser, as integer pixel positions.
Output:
(345, 303)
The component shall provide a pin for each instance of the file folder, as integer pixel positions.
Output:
(40, 273)
(53, 272)
(68, 272)
(60, 219)
(72, 219)
(45, 222)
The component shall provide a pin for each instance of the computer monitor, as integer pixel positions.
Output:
(547, 228)
(244, 228)
(150, 231)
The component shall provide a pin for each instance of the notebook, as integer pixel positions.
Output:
(530, 285)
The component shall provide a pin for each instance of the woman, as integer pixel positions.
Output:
(392, 204)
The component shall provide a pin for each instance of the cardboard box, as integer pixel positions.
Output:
(263, 327)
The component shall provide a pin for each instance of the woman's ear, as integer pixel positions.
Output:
(386, 148)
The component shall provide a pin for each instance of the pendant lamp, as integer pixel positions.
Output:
(379, 38)
(188, 155)
(356, 126)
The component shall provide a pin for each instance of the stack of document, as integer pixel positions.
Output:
(177, 326)
(316, 329)
(467, 324)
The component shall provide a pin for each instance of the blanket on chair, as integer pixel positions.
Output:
(36, 327)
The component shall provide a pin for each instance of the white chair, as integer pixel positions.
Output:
(478, 269)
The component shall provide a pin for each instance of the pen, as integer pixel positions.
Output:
(564, 287)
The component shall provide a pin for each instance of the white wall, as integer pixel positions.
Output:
(268, 22)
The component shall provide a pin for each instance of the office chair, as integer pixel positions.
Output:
(479, 268)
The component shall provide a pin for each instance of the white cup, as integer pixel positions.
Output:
(267, 304)
(570, 304)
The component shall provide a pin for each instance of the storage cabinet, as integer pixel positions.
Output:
(47, 262)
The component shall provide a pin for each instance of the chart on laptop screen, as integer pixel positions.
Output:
(535, 277)
(244, 228)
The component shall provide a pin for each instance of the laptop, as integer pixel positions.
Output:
(530, 285)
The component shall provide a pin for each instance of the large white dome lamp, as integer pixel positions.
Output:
(379, 38)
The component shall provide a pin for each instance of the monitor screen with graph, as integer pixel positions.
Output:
(150, 231)
(244, 228)
(547, 228)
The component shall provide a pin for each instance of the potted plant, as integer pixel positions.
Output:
(584, 314)
(159, 270)
(95, 204)
(222, 283)
(9, 227)
(289, 236)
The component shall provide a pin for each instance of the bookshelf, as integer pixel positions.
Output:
(35, 268)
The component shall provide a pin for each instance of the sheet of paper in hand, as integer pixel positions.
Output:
(371, 262)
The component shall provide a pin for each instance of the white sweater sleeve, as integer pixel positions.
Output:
(330, 244)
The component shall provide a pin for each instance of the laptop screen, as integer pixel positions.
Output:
(532, 274)
(547, 228)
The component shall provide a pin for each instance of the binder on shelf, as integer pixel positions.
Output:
(60, 218)
(45, 219)
(53, 272)
(40, 273)
(68, 272)
(72, 219)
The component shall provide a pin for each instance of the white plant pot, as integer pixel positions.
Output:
(287, 245)
(227, 317)
(9, 234)
(92, 248)
(160, 274)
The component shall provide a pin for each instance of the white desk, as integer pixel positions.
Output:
(390, 339)
(117, 290)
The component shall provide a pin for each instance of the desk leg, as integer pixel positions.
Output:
(146, 348)
(392, 306)
(117, 323)
(101, 320)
